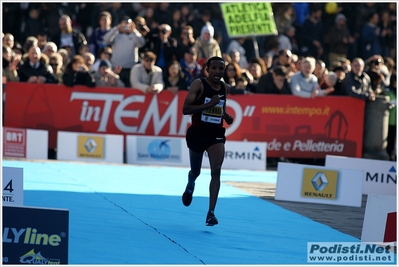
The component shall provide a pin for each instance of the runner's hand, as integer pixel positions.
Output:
(228, 118)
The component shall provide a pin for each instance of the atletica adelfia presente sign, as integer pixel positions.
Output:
(249, 19)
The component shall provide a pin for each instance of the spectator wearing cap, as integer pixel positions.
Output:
(339, 39)
(67, 36)
(105, 77)
(189, 64)
(146, 76)
(125, 41)
(206, 45)
(340, 72)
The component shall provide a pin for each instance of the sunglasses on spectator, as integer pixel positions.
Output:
(108, 53)
(53, 64)
(149, 60)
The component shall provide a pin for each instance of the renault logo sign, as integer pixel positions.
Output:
(319, 181)
(90, 145)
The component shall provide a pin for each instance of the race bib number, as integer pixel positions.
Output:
(213, 114)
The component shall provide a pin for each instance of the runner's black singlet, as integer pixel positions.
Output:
(210, 118)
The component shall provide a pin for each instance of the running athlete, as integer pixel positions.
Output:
(206, 101)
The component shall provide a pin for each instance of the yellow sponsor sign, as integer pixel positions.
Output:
(320, 184)
(249, 19)
(90, 147)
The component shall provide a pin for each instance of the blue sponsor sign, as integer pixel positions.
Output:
(35, 235)
(162, 150)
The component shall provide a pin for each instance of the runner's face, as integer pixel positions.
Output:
(216, 70)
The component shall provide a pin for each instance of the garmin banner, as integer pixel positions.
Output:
(35, 235)
(379, 175)
(173, 151)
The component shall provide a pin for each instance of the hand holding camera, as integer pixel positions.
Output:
(126, 26)
(142, 28)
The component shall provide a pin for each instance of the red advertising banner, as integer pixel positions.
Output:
(14, 142)
(293, 127)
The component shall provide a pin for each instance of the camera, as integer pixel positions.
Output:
(377, 62)
(143, 28)
(126, 27)
(164, 31)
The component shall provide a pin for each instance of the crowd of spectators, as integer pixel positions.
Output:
(321, 49)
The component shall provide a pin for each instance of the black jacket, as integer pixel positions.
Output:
(155, 44)
(77, 37)
(25, 71)
(267, 86)
(78, 78)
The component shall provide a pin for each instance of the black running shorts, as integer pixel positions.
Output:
(199, 140)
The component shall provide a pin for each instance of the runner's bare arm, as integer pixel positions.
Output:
(196, 89)
(227, 117)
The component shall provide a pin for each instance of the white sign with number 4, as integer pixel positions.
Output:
(13, 191)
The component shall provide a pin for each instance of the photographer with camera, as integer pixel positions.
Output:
(162, 44)
(125, 41)
(141, 25)
(77, 73)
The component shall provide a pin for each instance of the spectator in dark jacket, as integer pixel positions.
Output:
(174, 78)
(35, 68)
(370, 38)
(357, 83)
(312, 33)
(68, 36)
(163, 45)
(274, 82)
(77, 73)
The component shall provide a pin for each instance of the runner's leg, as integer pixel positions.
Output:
(216, 157)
